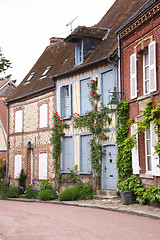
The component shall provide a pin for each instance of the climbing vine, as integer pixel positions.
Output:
(57, 134)
(124, 144)
(97, 122)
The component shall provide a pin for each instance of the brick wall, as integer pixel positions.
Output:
(137, 41)
(39, 137)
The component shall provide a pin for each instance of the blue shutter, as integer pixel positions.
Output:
(67, 154)
(70, 100)
(108, 83)
(85, 164)
(84, 95)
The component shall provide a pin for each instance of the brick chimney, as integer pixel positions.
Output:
(54, 40)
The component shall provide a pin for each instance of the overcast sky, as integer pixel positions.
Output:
(27, 26)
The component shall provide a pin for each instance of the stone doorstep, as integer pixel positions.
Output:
(106, 195)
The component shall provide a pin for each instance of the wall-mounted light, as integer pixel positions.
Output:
(29, 145)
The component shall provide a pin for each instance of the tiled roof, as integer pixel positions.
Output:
(60, 55)
(89, 32)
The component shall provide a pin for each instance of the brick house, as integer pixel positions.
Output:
(139, 38)
(58, 82)
(6, 89)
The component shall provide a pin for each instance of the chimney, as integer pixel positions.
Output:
(54, 40)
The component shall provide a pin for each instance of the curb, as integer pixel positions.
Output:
(96, 206)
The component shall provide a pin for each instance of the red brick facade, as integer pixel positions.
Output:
(135, 37)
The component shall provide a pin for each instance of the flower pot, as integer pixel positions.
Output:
(126, 197)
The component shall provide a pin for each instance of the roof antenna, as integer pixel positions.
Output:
(70, 23)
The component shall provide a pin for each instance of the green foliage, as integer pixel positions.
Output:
(96, 121)
(46, 185)
(2, 168)
(46, 195)
(152, 194)
(86, 191)
(3, 193)
(31, 192)
(4, 65)
(70, 194)
(21, 181)
(147, 116)
(133, 184)
(9, 192)
(124, 144)
(57, 134)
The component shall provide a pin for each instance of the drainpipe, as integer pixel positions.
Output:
(119, 65)
(7, 140)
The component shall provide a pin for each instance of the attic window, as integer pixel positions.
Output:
(45, 72)
(79, 53)
(30, 77)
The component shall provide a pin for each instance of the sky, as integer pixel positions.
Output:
(27, 26)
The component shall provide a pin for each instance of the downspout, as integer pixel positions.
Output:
(119, 65)
(7, 141)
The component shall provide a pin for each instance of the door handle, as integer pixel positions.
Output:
(105, 168)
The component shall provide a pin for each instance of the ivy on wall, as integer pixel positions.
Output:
(97, 122)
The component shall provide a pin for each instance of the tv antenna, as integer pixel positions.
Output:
(71, 22)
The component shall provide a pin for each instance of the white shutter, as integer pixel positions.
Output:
(133, 76)
(135, 153)
(43, 116)
(155, 159)
(152, 66)
(17, 165)
(43, 166)
(18, 121)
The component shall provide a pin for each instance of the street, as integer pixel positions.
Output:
(34, 221)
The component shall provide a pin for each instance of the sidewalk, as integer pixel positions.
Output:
(112, 205)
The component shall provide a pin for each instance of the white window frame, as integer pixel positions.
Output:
(43, 115)
(18, 120)
(145, 79)
(17, 165)
(146, 150)
(79, 52)
(133, 75)
(63, 111)
(43, 166)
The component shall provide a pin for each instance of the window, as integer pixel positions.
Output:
(79, 53)
(85, 164)
(43, 116)
(18, 121)
(84, 96)
(67, 154)
(149, 71)
(108, 83)
(148, 150)
(17, 165)
(135, 152)
(46, 71)
(43, 166)
(65, 101)
(30, 77)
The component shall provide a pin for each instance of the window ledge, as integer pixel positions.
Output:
(146, 175)
(143, 97)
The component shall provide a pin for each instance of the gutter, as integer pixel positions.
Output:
(29, 94)
(83, 67)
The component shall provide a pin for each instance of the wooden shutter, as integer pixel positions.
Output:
(70, 100)
(67, 154)
(17, 165)
(85, 152)
(135, 153)
(43, 116)
(155, 159)
(18, 121)
(152, 66)
(84, 95)
(133, 76)
(43, 166)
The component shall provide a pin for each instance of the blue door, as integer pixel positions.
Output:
(109, 170)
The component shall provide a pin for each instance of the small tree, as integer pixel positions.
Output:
(22, 181)
(4, 65)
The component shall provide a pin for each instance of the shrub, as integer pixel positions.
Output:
(31, 192)
(86, 191)
(46, 195)
(13, 192)
(152, 194)
(3, 193)
(46, 185)
(2, 168)
(133, 184)
(21, 182)
(69, 194)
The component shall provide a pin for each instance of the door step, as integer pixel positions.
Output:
(106, 195)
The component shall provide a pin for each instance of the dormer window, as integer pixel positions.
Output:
(30, 77)
(79, 53)
(45, 72)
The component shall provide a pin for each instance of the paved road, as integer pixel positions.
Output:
(36, 221)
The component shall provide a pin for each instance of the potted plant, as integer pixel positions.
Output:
(125, 192)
